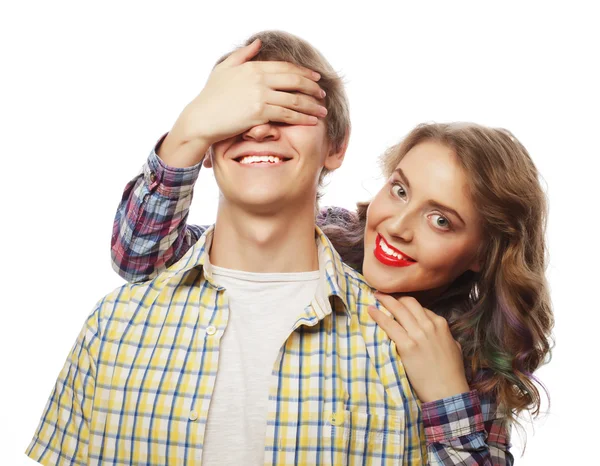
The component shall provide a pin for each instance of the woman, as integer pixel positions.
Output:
(456, 236)
(480, 265)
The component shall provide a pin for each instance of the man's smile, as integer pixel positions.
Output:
(261, 158)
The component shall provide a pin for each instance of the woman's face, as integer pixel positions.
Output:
(422, 229)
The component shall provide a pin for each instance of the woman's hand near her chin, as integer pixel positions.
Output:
(432, 358)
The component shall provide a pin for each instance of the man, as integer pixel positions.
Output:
(255, 347)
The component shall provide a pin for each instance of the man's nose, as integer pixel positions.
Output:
(264, 132)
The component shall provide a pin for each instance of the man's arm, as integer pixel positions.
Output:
(62, 436)
(464, 430)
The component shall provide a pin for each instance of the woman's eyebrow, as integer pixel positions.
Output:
(402, 176)
(433, 203)
(450, 210)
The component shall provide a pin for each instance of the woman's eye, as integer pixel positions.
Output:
(398, 190)
(440, 222)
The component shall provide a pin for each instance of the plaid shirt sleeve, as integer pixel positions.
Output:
(62, 437)
(466, 430)
(150, 231)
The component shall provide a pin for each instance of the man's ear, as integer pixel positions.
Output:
(336, 156)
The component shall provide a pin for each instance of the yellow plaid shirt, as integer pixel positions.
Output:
(137, 385)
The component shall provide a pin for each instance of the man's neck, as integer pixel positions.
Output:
(279, 243)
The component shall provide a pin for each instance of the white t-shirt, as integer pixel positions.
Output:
(263, 307)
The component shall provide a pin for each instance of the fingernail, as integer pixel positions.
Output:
(323, 93)
(322, 111)
(316, 75)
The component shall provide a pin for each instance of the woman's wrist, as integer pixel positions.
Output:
(442, 392)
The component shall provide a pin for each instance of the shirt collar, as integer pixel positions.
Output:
(334, 276)
(333, 281)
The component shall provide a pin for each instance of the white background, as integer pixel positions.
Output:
(87, 88)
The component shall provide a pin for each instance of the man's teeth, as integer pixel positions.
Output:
(260, 158)
(391, 252)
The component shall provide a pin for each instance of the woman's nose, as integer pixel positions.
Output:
(401, 226)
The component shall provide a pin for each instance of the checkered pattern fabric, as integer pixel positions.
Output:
(137, 384)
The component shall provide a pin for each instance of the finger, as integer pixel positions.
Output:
(297, 102)
(294, 82)
(285, 115)
(284, 67)
(400, 313)
(439, 321)
(243, 54)
(417, 311)
(392, 328)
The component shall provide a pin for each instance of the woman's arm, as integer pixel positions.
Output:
(150, 230)
(456, 420)
(466, 429)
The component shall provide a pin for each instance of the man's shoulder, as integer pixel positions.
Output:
(358, 293)
(376, 343)
(120, 306)
(113, 305)
(344, 281)
(356, 279)
(146, 303)
(133, 300)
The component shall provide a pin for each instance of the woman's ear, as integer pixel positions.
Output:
(207, 161)
(476, 266)
(477, 263)
(479, 259)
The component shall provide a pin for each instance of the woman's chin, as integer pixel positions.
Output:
(390, 290)
(389, 279)
(385, 286)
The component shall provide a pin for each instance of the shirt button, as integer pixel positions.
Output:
(211, 330)
(152, 177)
(337, 419)
(193, 415)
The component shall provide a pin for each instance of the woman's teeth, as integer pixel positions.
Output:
(260, 159)
(391, 252)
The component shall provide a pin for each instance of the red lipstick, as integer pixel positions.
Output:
(389, 259)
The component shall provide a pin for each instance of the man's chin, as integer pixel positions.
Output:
(260, 203)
